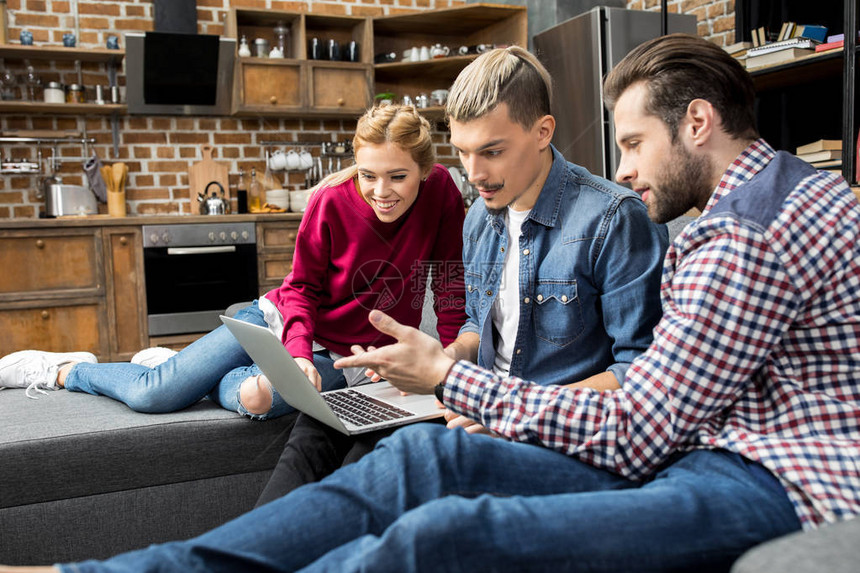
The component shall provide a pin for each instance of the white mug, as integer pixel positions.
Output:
(277, 161)
(292, 159)
(407, 55)
(424, 53)
(306, 160)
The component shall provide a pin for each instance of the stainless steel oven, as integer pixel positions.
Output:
(195, 271)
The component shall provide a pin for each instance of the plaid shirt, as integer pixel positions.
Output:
(758, 351)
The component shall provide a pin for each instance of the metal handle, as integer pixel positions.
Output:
(200, 250)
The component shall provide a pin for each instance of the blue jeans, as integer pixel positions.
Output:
(433, 499)
(214, 366)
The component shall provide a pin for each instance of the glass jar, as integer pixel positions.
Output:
(282, 39)
(53, 93)
(75, 94)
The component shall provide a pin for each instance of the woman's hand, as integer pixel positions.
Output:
(310, 371)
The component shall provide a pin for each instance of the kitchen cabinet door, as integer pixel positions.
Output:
(335, 87)
(269, 86)
(126, 294)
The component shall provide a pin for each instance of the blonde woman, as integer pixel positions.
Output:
(368, 239)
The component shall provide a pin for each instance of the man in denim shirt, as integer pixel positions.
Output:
(562, 268)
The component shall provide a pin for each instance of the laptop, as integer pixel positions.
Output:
(355, 410)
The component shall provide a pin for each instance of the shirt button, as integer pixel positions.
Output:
(489, 293)
(519, 350)
(502, 249)
(527, 300)
(540, 297)
(469, 288)
(564, 298)
(526, 251)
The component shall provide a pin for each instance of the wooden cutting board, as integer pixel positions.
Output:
(201, 173)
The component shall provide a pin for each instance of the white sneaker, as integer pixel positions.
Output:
(36, 369)
(152, 357)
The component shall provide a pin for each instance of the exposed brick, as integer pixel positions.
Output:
(160, 149)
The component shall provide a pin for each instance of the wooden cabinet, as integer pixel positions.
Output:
(468, 26)
(298, 85)
(61, 291)
(276, 242)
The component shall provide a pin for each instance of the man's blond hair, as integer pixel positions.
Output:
(509, 75)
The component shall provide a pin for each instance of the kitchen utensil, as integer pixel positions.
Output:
(63, 199)
(439, 51)
(201, 173)
(212, 204)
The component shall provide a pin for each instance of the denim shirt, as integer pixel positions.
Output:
(590, 268)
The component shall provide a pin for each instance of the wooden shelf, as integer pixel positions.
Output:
(61, 108)
(798, 71)
(61, 53)
(458, 21)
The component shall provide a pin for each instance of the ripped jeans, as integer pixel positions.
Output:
(213, 366)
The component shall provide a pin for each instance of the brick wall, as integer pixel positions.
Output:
(159, 150)
(716, 18)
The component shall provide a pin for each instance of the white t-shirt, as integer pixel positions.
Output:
(506, 308)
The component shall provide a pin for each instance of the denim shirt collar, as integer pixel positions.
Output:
(547, 206)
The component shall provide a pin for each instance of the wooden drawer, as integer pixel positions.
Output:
(55, 326)
(277, 237)
(40, 264)
(272, 269)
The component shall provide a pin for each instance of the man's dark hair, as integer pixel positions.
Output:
(679, 68)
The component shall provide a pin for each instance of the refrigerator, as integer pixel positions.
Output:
(578, 53)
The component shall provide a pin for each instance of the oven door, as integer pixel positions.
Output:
(188, 287)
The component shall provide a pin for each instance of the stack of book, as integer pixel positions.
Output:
(792, 42)
(823, 154)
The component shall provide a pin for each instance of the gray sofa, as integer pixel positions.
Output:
(85, 477)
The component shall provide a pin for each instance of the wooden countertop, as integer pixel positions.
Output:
(108, 221)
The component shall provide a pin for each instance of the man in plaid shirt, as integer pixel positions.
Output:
(737, 425)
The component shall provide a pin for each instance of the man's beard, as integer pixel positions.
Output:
(685, 182)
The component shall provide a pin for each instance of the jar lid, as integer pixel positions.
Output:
(75, 88)
(54, 85)
(261, 41)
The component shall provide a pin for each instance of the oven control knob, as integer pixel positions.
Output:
(165, 236)
(245, 235)
(222, 235)
(234, 235)
(211, 237)
(154, 238)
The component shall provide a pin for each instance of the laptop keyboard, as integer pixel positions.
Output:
(361, 409)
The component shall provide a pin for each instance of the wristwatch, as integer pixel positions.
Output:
(439, 390)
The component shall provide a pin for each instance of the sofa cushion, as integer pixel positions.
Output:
(67, 444)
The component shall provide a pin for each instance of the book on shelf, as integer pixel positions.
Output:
(783, 45)
(759, 36)
(787, 31)
(827, 164)
(820, 145)
(813, 32)
(838, 45)
(826, 155)
(738, 49)
(777, 57)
